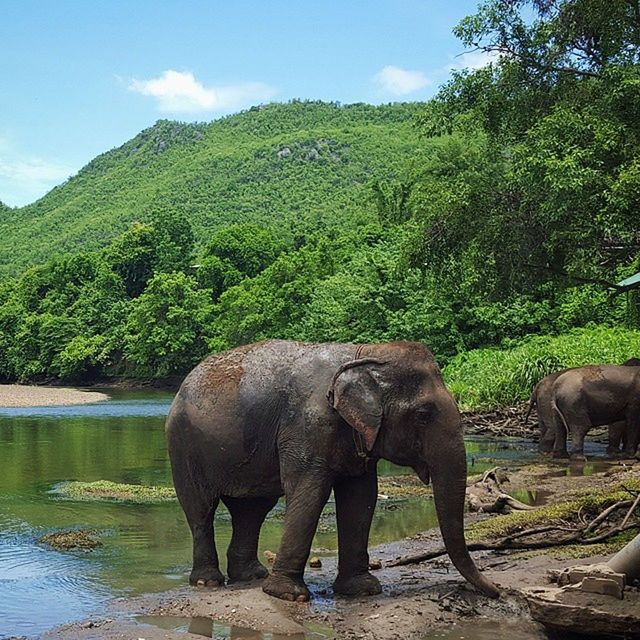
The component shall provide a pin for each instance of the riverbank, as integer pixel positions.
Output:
(419, 601)
(16, 395)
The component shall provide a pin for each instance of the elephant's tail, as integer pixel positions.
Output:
(555, 408)
(532, 403)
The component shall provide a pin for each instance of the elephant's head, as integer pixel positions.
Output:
(395, 397)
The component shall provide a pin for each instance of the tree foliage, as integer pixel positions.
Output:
(501, 209)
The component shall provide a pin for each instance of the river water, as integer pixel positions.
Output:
(145, 547)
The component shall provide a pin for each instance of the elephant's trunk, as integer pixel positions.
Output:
(448, 466)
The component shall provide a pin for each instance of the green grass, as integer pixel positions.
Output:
(116, 492)
(491, 378)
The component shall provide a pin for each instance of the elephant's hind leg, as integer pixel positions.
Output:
(206, 569)
(355, 504)
(199, 505)
(247, 516)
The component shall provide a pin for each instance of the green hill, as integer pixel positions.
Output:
(295, 167)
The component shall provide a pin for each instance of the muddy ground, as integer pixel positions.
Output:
(428, 600)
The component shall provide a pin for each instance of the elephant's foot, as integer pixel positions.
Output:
(246, 571)
(545, 452)
(286, 588)
(561, 454)
(206, 577)
(363, 584)
(578, 457)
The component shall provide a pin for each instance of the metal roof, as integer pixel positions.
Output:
(630, 283)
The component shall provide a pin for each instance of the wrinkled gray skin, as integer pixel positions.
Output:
(278, 417)
(593, 396)
(541, 398)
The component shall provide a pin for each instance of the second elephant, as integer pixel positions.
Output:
(593, 396)
(541, 398)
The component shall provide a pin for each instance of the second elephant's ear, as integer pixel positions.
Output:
(356, 396)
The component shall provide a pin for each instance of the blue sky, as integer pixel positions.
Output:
(79, 77)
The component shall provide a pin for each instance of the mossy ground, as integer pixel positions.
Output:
(74, 540)
(395, 487)
(585, 503)
(405, 486)
(117, 492)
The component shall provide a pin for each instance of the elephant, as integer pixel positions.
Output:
(595, 395)
(541, 399)
(289, 418)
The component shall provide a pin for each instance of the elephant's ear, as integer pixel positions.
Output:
(355, 395)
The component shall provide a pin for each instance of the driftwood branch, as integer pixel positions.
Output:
(488, 496)
(583, 534)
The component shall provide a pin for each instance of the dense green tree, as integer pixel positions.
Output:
(555, 145)
(247, 248)
(165, 332)
(270, 304)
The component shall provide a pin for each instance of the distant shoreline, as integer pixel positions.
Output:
(17, 395)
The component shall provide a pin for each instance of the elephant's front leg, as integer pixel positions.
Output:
(305, 501)
(355, 504)
(631, 434)
(616, 437)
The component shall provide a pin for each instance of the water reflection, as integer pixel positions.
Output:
(213, 629)
(490, 630)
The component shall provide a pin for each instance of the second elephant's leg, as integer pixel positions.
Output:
(305, 500)
(247, 516)
(632, 429)
(580, 424)
(560, 433)
(615, 437)
(355, 504)
(547, 437)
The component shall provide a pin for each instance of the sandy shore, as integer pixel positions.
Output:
(14, 395)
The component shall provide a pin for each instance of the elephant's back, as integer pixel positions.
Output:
(230, 410)
(602, 389)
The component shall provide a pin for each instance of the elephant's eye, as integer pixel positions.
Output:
(424, 413)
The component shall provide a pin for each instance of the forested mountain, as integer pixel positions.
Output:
(501, 209)
(296, 167)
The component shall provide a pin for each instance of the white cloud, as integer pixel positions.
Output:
(474, 59)
(180, 91)
(33, 170)
(24, 178)
(401, 81)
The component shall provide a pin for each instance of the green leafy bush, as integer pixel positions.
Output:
(488, 378)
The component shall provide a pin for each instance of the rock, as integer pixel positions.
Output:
(574, 575)
(285, 152)
(571, 609)
(270, 557)
(374, 565)
(315, 562)
(604, 586)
